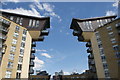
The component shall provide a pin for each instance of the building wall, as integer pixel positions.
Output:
(98, 63)
(26, 58)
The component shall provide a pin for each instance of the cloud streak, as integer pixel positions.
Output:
(38, 63)
(46, 55)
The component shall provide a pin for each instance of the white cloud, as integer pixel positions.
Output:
(38, 63)
(110, 13)
(116, 3)
(41, 50)
(46, 55)
(49, 9)
(67, 33)
(32, 12)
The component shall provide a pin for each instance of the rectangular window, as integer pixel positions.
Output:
(34, 21)
(113, 40)
(109, 28)
(37, 23)
(103, 58)
(11, 56)
(105, 66)
(8, 74)
(20, 59)
(30, 22)
(10, 65)
(111, 34)
(16, 34)
(19, 67)
(18, 75)
(23, 38)
(17, 28)
(115, 47)
(13, 48)
(21, 19)
(21, 51)
(18, 20)
(14, 41)
(117, 54)
(11, 17)
(22, 44)
(24, 32)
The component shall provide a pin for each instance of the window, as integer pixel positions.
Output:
(105, 66)
(17, 28)
(115, 47)
(21, 51)
(100, 45)
(37, 23)
(30, 22)
(24, 32)
(10, 65)
(109, 28)
(11, 56)
(11, 17)
(18, 75)
(23, 38)
(21, 19)
(20, 59)
(113, 40)
(111, 34)
(18, 19)
(103, 58)
(19, 67)
(14, 41)
(33, 25)
(8, 74)
(22, 44)
(117, 54)
(16, 34)
(106, 73)
(13, 48)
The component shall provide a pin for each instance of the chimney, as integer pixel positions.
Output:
(118, 8)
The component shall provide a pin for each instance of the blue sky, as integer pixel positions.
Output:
(60, 50)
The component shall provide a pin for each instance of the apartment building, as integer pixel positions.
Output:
(102, 35)
(17, 43)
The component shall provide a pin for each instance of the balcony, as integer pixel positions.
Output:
(32, 56)
(31, 63)
(4, 22)
(3, 38)
(4, 31)
(88, 44)
(41, 38)
(31, 71)
(80, 38)
(33, 44)
(90, 56)
(44, 33)
(33, 50)
(76, 33)
(118, 25)
(89, 50)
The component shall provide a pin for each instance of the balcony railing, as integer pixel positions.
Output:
(89, 50)
(33, 50)
(118, 25)
(31, 63)
(4, 31)
(80, 38)
(88, 44)
(31, 71)
(90, 56)
(44, 33)
(32, 56)
(76, 33)
(33, 44)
